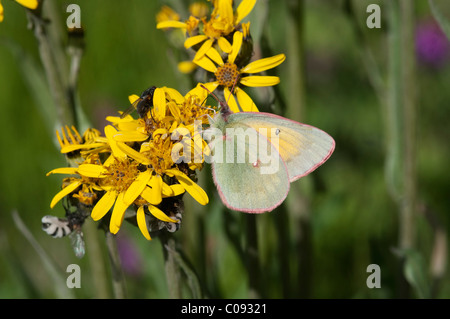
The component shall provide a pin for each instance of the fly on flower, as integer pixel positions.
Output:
(141, 104)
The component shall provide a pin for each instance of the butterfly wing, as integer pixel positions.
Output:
(302, 147)
(249, 173)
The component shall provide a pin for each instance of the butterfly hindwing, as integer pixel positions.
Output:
(248, 171)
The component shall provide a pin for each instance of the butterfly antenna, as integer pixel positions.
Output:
(210, 93)
(223, 105)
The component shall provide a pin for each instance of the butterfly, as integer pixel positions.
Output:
(256, 155)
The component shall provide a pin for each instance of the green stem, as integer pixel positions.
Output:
(252, 262)
(193, 280)
(298, 209)
(118, 280)
(56, 81)
(409, 96)
(94, 253)
(58, 279)
(401, 113)
(173, 274)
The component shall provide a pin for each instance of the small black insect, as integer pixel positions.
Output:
(143, 104)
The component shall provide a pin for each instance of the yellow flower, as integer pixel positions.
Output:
(89, 184)
(71, 142)
(30, 4)
(223, 22)
(169, 128)
(123, 180)
(167, 14)
(199, 9)
(140, 171)
(229, 75)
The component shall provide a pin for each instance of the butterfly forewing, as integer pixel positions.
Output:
(248, 171)
(302, 147)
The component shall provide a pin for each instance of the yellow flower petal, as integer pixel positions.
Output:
(193, 189)
(171, 24)
(133, 154)
(174, 95)
(237, 43)
(160, 131)
(166, 191)
(104, 205)
(71, 148)
(256, 81)
(244, 9)
(130, 136)
(210, 86)
(118, 214)
(264, 64)
(159, 103)
(203, 49)
(129, 125)
(155, 211)
(133, 98)
(172, 190)
(206, 63)
(156, 184)
(91, 170)
(224, 45)
(151, 196)
(136, 188)
(245, 101)
(177, 189)
(231, 101)
(226, 10)
(214, 55)
(63, 170)
(174, 110)
(142, 223)
(30, 4)
(191, 41)
(110, 131)
(64, 192)
(186, 67)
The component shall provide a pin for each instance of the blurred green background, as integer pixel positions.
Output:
(335, 222)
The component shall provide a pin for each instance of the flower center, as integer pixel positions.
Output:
(122, 174)
(227, 74)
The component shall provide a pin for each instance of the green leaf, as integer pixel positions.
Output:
(415, 271)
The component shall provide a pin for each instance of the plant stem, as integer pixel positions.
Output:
(58, 279)
(56, 81)
(298, 209)
(252, 262)
(401, 109)
(408, 216)
(94, 253)
(173, 274)
(116, 267)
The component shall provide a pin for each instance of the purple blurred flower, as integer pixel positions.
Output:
(432, 46)
(129, 256)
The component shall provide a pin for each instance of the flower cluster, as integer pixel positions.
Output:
(140, 169)
(135, 164)
(223, 47)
